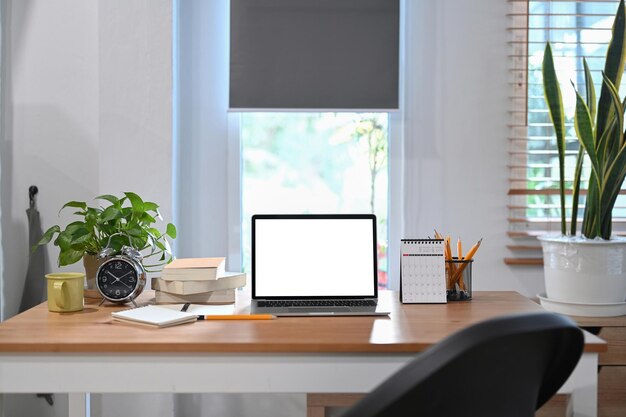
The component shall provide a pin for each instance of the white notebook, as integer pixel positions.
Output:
(154, 316)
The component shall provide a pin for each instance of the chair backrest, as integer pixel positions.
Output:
(502, 367)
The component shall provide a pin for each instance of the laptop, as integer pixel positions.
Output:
(314, 265)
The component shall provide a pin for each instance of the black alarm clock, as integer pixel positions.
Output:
(121, 278)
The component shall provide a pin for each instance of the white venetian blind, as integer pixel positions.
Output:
(575, 29)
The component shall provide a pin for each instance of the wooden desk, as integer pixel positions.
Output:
(87, 352)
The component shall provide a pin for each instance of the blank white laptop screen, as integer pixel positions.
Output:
(314, 257)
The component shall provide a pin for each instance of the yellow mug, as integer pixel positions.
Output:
(65, 291)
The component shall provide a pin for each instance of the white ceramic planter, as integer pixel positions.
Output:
(578, 270)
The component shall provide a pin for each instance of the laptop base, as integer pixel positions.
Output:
(317, 311)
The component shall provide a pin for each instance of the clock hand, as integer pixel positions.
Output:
(130, 272)
(120, 278)
(128, 286)
(116, 278)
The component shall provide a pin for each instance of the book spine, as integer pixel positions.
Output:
(203, 275)
(215, 297)
(197, 287)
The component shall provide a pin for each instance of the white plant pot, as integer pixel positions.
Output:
(578, 270)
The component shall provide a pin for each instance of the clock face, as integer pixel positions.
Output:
(119, 280)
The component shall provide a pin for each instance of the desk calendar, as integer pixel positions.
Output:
(422, 271)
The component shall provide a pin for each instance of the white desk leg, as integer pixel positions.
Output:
(583, 386)
(77, 404)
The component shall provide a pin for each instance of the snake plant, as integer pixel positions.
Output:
(600, 131)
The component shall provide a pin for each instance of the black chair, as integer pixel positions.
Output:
(502, 367)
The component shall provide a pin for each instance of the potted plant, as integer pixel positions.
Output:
(125, 221)
(590, 268)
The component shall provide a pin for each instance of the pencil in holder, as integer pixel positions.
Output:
(459, 279)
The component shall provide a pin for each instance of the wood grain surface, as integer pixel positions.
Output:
(409, 328)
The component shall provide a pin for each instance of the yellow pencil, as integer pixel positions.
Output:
(459, 249)
(468, 257)
(237, 317)
(447, 248)
(450, 266)
(473, 249)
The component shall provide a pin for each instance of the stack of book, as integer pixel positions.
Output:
(197, 281)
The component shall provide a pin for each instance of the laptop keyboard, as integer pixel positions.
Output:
(317, 303)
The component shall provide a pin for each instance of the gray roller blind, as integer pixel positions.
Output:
(314, 54)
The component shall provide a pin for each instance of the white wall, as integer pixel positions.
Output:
(87, 111)
(134, 47)
(455, 144)
(50, 121)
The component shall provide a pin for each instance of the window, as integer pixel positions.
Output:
(233, 162)
(574, 29)
(315, 163)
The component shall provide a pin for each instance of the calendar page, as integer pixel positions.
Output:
(422, 271)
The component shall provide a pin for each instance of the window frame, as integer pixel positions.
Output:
(234, 191)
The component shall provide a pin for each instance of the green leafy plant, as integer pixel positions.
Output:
(126, 221)
(600, 132)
